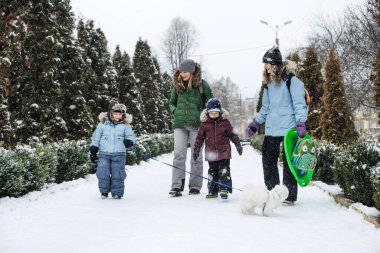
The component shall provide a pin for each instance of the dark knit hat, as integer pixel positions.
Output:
(214, 105)
(273, 56)
(187, 66)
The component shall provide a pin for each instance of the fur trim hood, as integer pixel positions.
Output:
(127, 120)
(204, 117)
(290, 67)
(197, 79)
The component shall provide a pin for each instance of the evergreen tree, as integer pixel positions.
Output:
(166, 91)
(375, 79)
(99, 84)
(12, 69)
(163, 103)
(336, 121)
(144, 71)
(374, 9)
(127, 87)
(311, 74)
(40, 92)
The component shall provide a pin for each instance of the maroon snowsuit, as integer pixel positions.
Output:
(217, 135)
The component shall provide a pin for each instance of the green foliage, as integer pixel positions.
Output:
(326, 154)
(73, 162)
(25, 169)
(311, 74)
(336, 121)
(376, 187)
(353, 171)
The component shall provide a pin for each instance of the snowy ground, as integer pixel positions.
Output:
(72, 218)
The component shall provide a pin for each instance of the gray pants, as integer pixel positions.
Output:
(181, 138)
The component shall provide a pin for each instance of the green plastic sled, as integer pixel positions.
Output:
(302, 172)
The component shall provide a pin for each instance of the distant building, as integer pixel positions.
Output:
(367, 122)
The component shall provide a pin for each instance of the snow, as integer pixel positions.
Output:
(71, 217)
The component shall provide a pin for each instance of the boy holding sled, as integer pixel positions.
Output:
(111, 138)
(216, 131)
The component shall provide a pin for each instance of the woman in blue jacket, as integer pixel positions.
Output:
(282, 109)
(112, 136)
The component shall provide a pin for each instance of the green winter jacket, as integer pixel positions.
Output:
(186, 105)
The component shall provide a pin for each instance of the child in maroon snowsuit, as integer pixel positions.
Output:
(217, 131)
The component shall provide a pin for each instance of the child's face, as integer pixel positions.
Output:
(213, 115)
(117, 116)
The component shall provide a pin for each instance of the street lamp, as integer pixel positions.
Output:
(276, 29)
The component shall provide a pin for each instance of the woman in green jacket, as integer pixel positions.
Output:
(188, 98)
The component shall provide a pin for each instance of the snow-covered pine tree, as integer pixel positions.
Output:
(163, 104)
(374, 9)
(166, 91)
(75, 111)
(99, 85)
(144, 72)
(41, 89)
(336, 121)
(311, 74)
(127, 87)
(12, 60)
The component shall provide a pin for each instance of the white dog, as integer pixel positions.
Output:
(259, 197)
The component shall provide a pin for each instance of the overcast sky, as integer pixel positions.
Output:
(231, 40)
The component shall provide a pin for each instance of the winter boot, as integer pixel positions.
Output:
(194, 192)
(223, 194)
(104, 195)
(175, 192)
(211, 195)
(288, 203)
(116, 197)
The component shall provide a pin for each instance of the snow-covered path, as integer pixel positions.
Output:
(72, 218)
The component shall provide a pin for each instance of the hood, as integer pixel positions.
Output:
(127, 119)
(290, 67)
(197, 79)
(204, 117)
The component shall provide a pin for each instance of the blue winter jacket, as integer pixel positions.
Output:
(281, 110)
(109, 137)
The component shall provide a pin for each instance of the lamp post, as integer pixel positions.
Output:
(276, 29)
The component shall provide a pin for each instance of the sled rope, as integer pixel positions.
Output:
(210, 180)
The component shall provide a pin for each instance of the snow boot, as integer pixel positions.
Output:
(175, 192)
(116, 197)
(104, 195)
(288, 203)
(223, 194)
(194, 192)
(211, 195)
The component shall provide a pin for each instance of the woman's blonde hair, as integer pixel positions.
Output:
(275, 75)
(189, 83)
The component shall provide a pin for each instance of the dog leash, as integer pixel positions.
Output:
(147, 156)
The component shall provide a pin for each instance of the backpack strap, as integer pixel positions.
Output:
(201, 92)
(289, 81)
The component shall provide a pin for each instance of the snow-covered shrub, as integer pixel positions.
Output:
(26, 169)
(353, 171)
(376, 186)
(326, 153)
(73, 160)
(11, 175)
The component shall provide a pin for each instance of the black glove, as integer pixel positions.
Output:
(239, 148)
(196, 154)
(93, 154)
(128, 143)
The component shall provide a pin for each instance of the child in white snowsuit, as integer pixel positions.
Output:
(111, 138)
